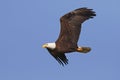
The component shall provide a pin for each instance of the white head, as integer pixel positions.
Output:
(49, 45)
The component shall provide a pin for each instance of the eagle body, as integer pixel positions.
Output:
(69, 35)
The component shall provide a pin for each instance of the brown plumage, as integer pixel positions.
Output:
(69, 34)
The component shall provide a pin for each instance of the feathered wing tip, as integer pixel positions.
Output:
(61, 58)
(88, 13)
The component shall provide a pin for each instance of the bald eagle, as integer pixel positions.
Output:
(69, 35)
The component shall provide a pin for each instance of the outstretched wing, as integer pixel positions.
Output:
(71, 27)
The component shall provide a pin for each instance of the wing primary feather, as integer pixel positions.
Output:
(89, 13)
(60, 57)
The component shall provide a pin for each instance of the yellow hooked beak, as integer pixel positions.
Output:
(44, 46)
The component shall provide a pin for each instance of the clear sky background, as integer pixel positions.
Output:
(25, 25)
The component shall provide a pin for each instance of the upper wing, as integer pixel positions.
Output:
(71, 27)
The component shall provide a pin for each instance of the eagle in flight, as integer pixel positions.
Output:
(69, 35)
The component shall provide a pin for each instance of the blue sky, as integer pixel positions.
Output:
(25, 25)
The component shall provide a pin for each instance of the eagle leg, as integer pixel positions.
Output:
(83, 49)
